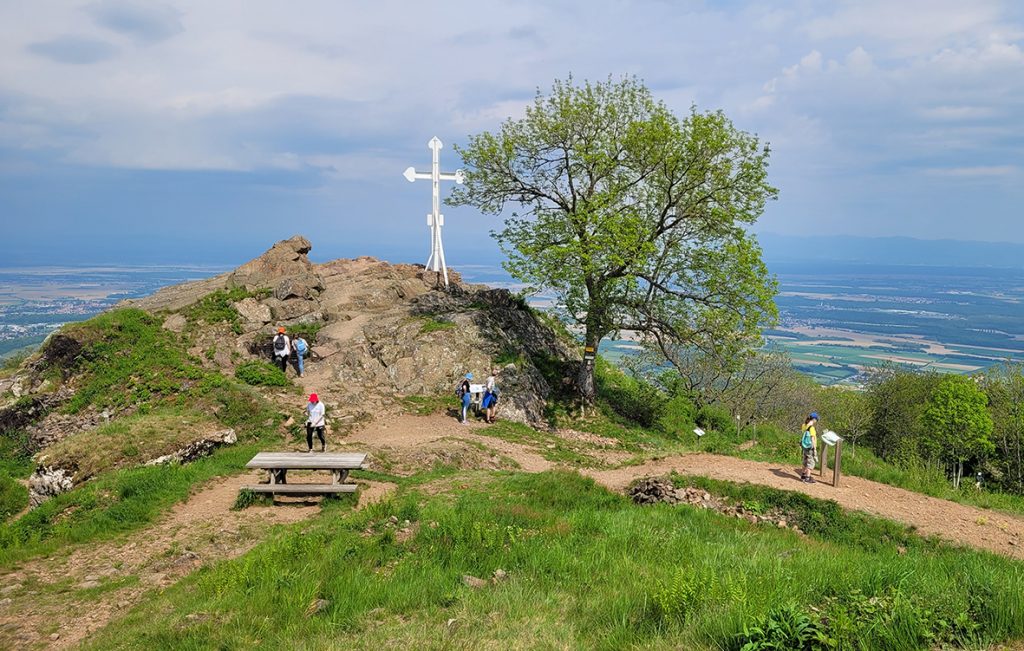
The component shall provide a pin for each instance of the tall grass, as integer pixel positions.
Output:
(586, 569)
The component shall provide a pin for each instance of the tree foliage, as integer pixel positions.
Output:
(846, 411)
(959, 423)
(1004, 386)
(633, 217)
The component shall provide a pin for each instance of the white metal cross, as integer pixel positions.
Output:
(435, 220)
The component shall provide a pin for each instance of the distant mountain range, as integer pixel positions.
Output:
(891, 251)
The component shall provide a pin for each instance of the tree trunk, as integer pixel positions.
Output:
(585, 377)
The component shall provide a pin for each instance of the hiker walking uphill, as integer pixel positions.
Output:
(300, 347)
(315, 422)
(809, 447)
(282, 349)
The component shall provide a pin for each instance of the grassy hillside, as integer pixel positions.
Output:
(585, 569)
(125, 362)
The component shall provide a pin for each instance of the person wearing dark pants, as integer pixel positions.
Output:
(282, 349)
(315, 422)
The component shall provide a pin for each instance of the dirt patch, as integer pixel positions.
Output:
(587, 437)
(457, 453)
(406, 431)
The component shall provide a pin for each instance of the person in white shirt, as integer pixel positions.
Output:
(282, 349)
(315, 422)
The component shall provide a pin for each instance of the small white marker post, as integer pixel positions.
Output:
(435, 220)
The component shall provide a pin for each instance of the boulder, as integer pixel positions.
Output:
(47, 482)
(253, 312)
(286, 260)
(175, 323)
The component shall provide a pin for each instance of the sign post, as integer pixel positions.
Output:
(435, 220)
(831, 439)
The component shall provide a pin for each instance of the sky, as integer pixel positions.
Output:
(203, 131)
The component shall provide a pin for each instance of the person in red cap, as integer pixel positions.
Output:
(315, 422)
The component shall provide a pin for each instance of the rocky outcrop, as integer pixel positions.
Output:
(285, 268)
(197, 449)
(47, 482)
(654, 490)
(30, 409)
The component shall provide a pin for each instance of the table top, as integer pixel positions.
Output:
(308, 460)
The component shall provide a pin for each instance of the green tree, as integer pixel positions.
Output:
(897, 398)
(1004, 385)
(846, 411)
(957, 415)
(633, 217)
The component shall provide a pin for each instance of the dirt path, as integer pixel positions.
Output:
(57, 602)
(954, 522)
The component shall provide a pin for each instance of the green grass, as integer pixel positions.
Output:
(261, 374)
(128, 359)
(433, 324)
(586, 569)
(114, 503)
(217, 308)
(13, 497)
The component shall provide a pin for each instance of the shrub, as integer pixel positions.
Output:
(678, 415)
(628, 397)
(260, 373)
(714, 418)
(782, 629)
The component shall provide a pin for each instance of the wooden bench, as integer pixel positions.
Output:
(277, 465)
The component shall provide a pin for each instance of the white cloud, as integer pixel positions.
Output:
(847, 93)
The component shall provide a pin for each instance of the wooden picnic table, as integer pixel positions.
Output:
(277, 465)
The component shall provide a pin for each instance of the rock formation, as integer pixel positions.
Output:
(378, 332)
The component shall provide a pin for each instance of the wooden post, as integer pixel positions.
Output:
(824, 459)
(839, 458)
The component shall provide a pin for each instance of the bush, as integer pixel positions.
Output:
(714, 419)
(264, 374)
(678, 415)
(783, 628)
(630, 398)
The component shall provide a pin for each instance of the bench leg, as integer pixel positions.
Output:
(279, 476)
(339, 476)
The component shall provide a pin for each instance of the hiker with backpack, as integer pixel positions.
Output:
(315, 422)
(464, 396)
(809, 447)
(490, 399)
(282, 349)
(300, 347)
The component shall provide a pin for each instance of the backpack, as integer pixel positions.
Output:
(461, 389)
(807, 442)
(300, 346)
(279, 343)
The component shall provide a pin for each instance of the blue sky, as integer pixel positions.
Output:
(199, 131)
